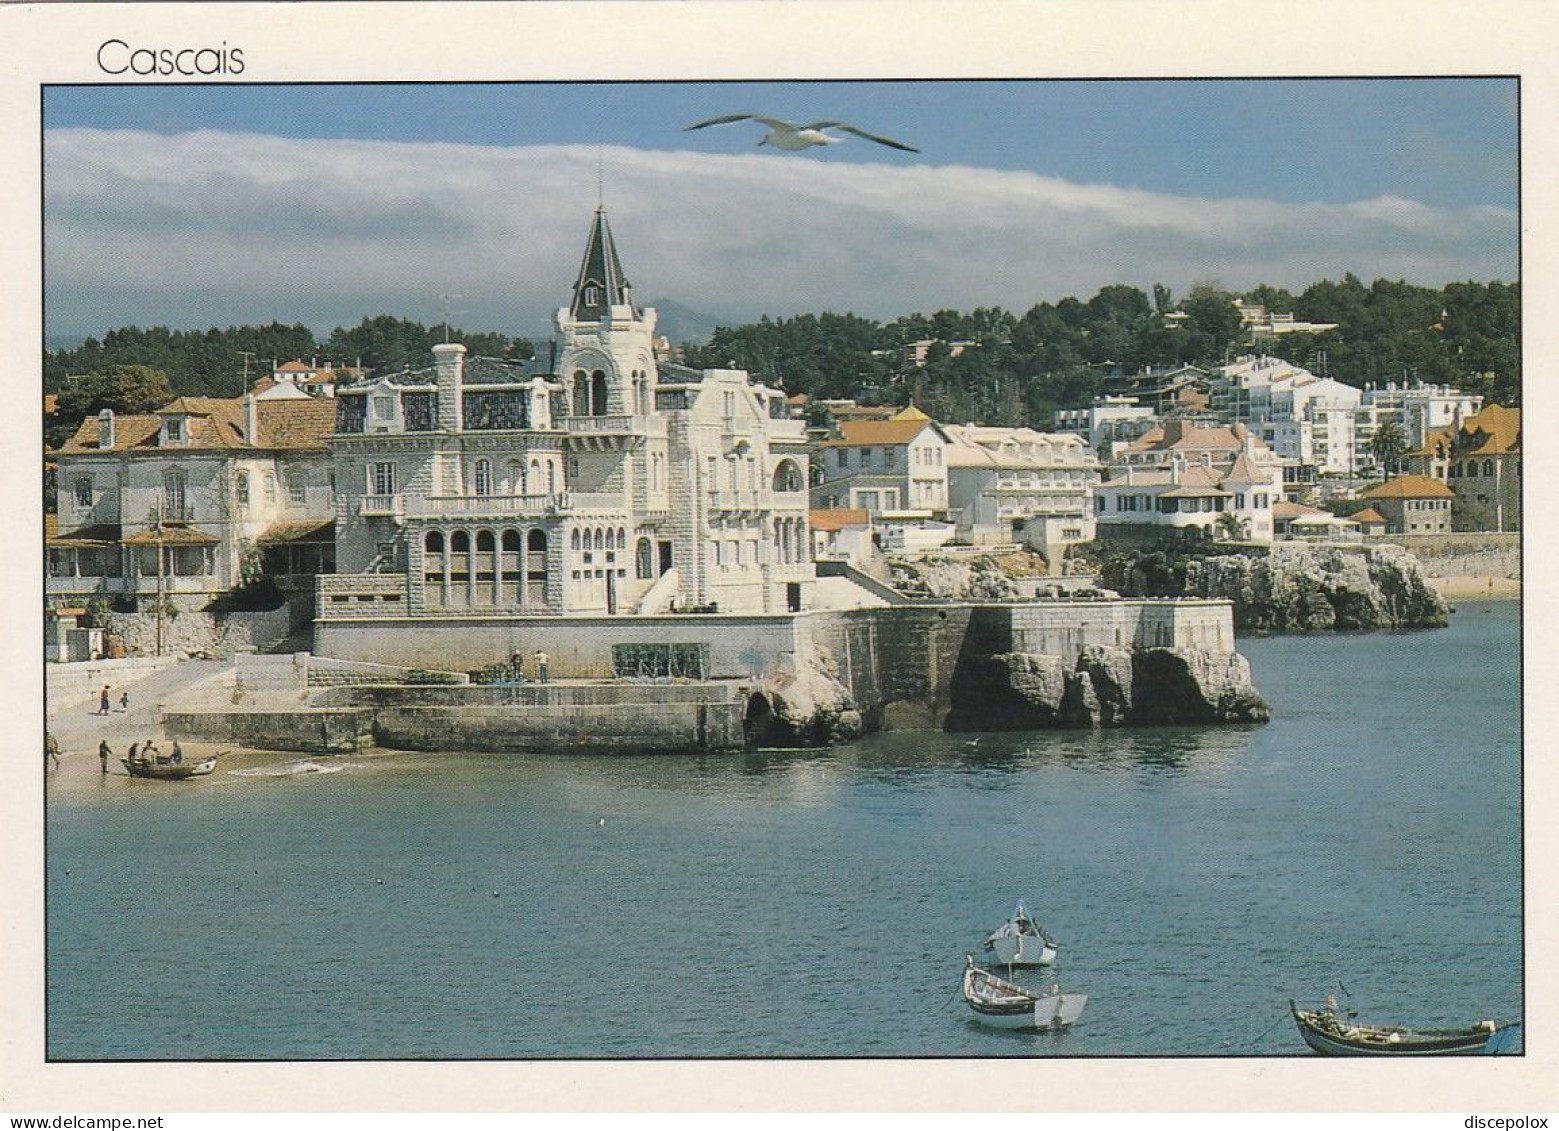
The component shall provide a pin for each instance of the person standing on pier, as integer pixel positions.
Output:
(541, 665)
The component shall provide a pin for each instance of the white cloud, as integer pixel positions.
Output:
(210, 228)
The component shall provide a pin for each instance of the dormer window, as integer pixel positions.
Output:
(173, 430)
(592, 295)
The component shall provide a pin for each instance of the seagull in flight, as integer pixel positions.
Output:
(794, 136)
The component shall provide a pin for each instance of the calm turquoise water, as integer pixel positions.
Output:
(820, 904)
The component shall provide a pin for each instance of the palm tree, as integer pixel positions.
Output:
(1387, 446)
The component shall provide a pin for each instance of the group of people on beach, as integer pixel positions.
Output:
(139, 752)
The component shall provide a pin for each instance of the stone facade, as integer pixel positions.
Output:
(615, 485)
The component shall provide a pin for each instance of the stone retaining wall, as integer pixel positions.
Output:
(329, 731)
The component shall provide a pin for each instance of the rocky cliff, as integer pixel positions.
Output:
(1105, 687)
(1293, 588)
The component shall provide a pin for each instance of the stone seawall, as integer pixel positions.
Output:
(337, 731)
(810, 678)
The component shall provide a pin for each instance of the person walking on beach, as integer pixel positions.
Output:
(103, 754)
(102, 701)
(124, 700)
(541, 665)
(51, 749)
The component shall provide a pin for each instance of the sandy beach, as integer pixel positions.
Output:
(1469, 588)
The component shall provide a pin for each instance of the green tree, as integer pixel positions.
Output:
(1387, 445)
(123, 388)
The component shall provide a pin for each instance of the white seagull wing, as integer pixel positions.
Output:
(725, 119)
(858, 132)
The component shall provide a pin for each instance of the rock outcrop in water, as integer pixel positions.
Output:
(1105, 687)
(1294, 588)
(812, 707)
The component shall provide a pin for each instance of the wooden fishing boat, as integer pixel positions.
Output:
(1020, 941)
(167, 769)
(1338, 1034)
(1007, 1005)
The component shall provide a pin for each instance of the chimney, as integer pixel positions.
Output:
(450, 359)
(251, 420)
(105, 429)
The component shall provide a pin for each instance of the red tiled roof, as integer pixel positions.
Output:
(866, 433)
(1410, 487)
(1369, 515)
(216, 424)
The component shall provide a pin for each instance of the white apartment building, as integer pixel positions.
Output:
(1016, 484)
(893, 466)
(1110, 420)
(617, 485)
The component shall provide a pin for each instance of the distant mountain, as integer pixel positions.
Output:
(682, 325)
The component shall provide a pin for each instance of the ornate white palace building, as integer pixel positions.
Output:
(612, 485)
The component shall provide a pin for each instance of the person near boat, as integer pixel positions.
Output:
(104, 753)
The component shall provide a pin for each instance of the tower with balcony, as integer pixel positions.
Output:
(606, 486)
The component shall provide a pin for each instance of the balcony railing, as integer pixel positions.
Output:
(619, 425)
(380, 506)
(512, 506)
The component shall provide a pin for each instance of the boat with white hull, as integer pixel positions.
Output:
(1020, 941)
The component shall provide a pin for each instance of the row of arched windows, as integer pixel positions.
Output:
(598, 538)
(589, 393)
(1471, 468)
(790, 540)
(485, 567)
(538, 477)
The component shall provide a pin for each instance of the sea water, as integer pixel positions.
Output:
(1365, 843)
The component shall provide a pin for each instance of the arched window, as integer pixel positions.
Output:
(611, 539)
(434, 542)
(644, 563)
(787, 476)
(270, 487)
(516, 473)
(242, 488)
(511, 541)
(598, 393)
(573, 541)
(600, 539)
(485, 542)
(536, 541)
(1488, 467)
(622, 538)
(483, 477)
(174, 486)
(581, 393)
(460, 542)
(552, 478)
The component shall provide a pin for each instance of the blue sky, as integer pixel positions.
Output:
(1022, 191)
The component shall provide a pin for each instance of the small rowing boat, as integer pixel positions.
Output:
(1338, 1034)
(167, 769)
(1007, 1005)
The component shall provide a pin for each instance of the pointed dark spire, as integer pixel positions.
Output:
(601, 283)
